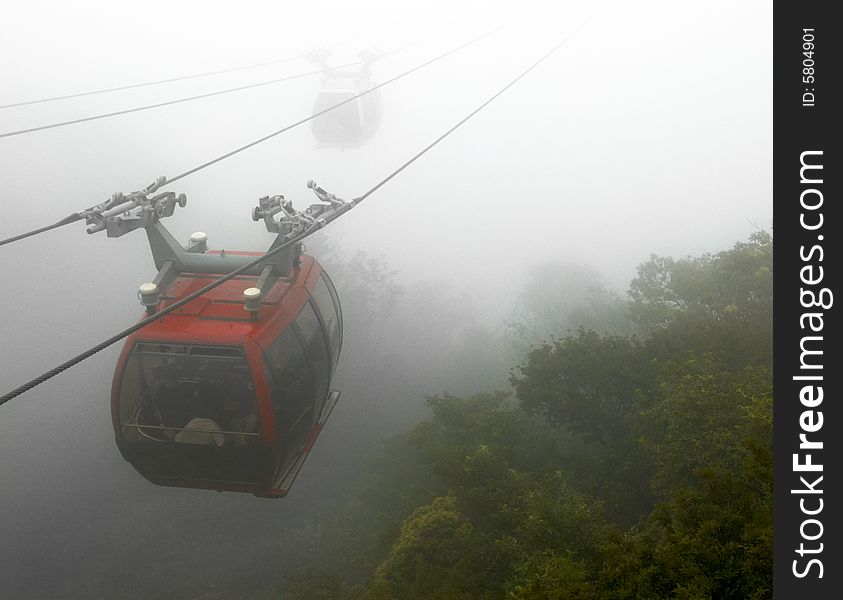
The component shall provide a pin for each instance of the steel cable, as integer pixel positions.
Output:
(77, 216)
(330, 108)
(148, 83)
(313, 228)
(171, 102)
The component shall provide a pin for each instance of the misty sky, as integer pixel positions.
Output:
(648, 131)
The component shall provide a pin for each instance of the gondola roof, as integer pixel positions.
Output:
(218, 316)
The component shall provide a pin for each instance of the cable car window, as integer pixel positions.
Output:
(162, 348)
(330, 317)
(292, 389)
(188, 394)
(214, 351)
(313, 337)
(335, 297)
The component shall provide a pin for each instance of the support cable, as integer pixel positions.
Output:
(80, 215)
(171, 102)
(330, 108)
(315, 226)
(67, 220)
(148, 83)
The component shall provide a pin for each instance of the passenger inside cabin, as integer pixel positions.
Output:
(204, 432)
(212, 398)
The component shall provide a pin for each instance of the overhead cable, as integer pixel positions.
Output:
(330, 108)
(79, 215)
(171, 102)
(66, 221)
(305, 233)
(148, 83)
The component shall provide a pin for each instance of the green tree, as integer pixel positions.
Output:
(711, 537)
(438, 556)
(706, 417)
(712, 540)
(507, 504)
(721, 303)
(668, 436)
(549, 576)
(586, 383)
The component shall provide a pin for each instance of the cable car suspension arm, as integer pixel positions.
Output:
(123, 213)
(294, 221)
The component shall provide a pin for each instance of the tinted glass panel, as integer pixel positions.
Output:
(335, 297)
(292, 388)
(313, 337)
(325, 303)
(188, 394)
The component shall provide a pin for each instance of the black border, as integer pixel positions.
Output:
(798, 128)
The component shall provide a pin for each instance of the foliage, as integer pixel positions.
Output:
(705, 418)
(721, 303)
(438, 555)
(627, 468)
(505, 503)
(396, 485)
(710, 540)
(586, 382)
(592, 386)
(712, 535)
(553, 577)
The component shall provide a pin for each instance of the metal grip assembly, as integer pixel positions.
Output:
(123, 213)
(292, 221)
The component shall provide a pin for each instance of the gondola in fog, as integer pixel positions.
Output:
(354, 122)
(230, 391)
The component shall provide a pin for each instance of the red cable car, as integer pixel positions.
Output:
(230, 391)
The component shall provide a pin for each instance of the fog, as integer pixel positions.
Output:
(648, 131)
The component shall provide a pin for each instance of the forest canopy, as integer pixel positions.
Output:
(630, 461)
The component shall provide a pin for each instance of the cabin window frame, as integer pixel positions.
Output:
(334, 345)
(138, 379)
(323, 383)
(287, 421)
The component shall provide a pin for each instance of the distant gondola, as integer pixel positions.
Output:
(356, 121)
(230, 391)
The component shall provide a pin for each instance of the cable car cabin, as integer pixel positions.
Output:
(226, 396)
(210, 397)
(351, 124)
